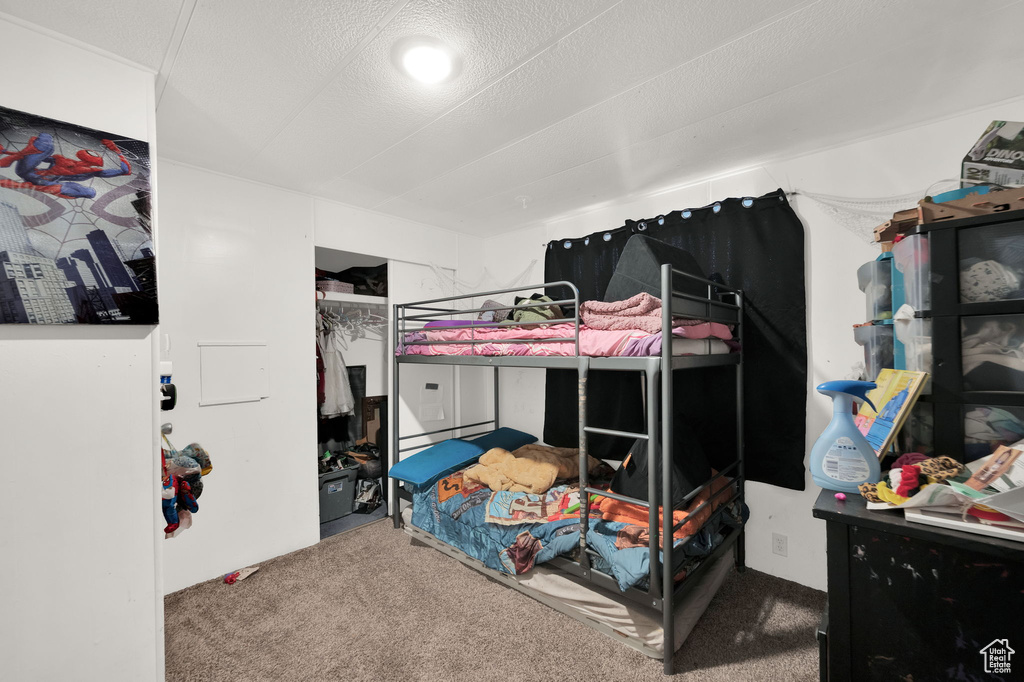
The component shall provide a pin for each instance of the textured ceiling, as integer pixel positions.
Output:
(570, 103)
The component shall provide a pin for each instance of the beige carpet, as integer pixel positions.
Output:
(372, 604)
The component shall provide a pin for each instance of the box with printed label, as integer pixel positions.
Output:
(997, 158)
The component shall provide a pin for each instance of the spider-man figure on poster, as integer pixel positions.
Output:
(58, 178)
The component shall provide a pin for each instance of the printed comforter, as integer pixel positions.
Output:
(512, 532)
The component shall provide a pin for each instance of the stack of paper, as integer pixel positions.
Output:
(990, 502)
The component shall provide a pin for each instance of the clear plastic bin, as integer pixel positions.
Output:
(986, 427)
(913, 345)
(992, 263)
(910, 257)
(877, 340)
(875, 280)
(992, 348)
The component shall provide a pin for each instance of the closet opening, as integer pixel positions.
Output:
(352, 396)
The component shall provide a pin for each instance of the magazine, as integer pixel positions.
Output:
(895, 395)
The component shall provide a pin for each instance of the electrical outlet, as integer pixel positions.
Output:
(780, 544)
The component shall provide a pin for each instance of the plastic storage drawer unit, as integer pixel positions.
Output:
(877, 340)
(914, 344)
(986, 427)
(992, 349)
(910, 256)
(875, 280)
(337, 492)
(991, 263)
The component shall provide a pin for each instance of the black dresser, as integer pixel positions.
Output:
(908, 601)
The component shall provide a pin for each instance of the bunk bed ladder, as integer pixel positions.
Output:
(741, 474)
(668, 612)
(395, 405)
(583, 369)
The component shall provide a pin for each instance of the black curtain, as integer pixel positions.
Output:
(752, 244)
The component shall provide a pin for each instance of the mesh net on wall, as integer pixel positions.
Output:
(861, 215)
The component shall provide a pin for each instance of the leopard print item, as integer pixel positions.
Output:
(940, 468)
(869, 491)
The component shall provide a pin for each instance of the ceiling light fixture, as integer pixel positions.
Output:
(425, 59)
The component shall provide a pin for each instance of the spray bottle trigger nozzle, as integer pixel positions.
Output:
(857, 389)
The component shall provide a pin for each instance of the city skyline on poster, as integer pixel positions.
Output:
(76, 242)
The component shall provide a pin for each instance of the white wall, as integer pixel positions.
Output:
(903, 162)
(78, 543)
(237, 265)
(237, 262)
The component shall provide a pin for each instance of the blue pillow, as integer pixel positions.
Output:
(505, 438)
(426, 466)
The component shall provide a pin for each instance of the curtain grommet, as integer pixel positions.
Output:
(716, 207)
(687, 214)
(747, 202)
(607, 236)
(567, 244)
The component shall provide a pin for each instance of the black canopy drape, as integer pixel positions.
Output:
(753, 244)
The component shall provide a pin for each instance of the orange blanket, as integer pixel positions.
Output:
(624, 512)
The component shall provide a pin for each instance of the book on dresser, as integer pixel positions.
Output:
(895, 394)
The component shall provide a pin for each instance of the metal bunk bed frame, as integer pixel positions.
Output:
(663, 594)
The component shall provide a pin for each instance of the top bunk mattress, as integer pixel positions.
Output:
(700, 338)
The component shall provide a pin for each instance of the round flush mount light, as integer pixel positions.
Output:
(424, 59)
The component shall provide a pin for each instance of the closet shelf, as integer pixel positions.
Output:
(337, 297)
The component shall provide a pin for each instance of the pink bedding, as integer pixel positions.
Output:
(593, 342)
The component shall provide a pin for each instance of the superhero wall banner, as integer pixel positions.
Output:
(76, 243)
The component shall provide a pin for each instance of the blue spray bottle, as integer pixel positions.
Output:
(842, 458)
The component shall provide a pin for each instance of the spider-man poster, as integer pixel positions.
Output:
(75, 233)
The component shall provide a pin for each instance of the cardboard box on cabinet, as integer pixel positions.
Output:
(997, 157)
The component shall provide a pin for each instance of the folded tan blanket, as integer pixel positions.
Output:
(530, 469)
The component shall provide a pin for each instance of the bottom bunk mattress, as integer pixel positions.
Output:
(625, 621)
(511, 532)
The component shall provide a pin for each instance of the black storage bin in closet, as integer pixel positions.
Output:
(337, 491)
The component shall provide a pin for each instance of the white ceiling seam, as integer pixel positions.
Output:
(341, 66)
(477, 199)
(125, 30)
(762, 25)
(188, 8)
(530, 56)
(51, 32)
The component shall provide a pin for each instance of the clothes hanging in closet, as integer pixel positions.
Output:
(338, 398)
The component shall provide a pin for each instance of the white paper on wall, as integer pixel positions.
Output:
(232, 372)
(432, 403)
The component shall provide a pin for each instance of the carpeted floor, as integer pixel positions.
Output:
(372, 604)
